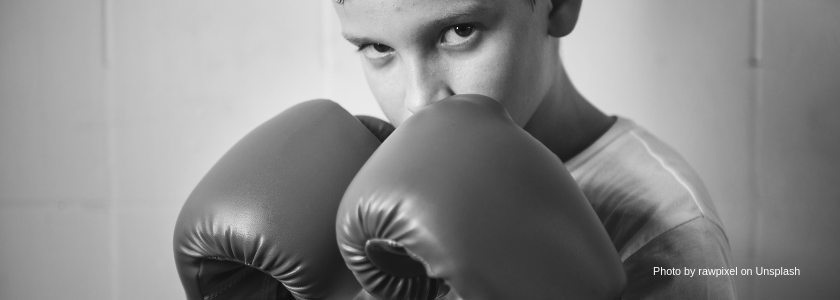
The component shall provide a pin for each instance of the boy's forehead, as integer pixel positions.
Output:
(367, 8)
(389, 1)
(355, 14)
(532, 3)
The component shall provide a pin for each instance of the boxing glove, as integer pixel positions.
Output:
(261, 223)
(459, 196)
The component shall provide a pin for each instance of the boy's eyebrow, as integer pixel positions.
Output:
(356, 40)
(452, 17)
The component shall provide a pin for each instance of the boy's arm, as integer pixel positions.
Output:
(696, 244)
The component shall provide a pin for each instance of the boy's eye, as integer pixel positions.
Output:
(457, 34)
(374, 51)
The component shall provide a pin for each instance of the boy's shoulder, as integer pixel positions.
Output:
(640, 187)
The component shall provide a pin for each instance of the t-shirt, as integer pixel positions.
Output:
(658, 214)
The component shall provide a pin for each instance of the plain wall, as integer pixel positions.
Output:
(112, 111)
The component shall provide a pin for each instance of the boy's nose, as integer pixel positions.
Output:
(425, 86)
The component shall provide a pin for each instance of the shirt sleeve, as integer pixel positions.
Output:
(696, 244)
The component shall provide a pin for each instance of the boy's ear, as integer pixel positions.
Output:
(563, 17)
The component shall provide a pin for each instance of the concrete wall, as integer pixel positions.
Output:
(111, 111)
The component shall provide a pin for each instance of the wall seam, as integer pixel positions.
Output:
(755, 63)
(110, 138)
(327, 58)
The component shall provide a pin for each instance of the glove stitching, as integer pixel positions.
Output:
(225, 287)
(265, 288)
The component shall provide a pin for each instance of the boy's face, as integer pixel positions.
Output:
(416, 52)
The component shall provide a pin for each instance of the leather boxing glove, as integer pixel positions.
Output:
(461, 196)
(261, 223)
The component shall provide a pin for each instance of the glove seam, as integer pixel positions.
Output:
(225, 287)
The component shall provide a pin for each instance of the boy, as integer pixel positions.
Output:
(653, 205)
